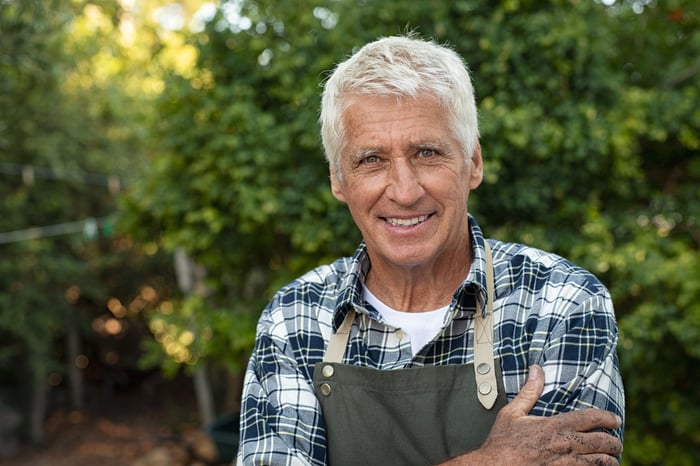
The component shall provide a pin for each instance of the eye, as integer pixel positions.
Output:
(370, 159)
(427, 152)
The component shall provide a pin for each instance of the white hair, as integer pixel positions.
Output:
(403, 67)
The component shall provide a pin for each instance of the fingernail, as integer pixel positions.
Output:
(531, 372)
(619, 419)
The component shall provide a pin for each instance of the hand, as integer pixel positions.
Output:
(563, 439)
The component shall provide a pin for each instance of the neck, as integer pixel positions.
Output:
(420, 288)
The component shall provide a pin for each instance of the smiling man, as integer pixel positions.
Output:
(431, 344)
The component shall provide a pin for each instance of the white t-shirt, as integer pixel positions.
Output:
(421, 327)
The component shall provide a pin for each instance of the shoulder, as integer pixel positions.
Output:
(307, 304)
(298, 320)
(319, 286)
(548, 288)
(523, 265)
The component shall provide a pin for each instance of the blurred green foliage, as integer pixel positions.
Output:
(40, 125)
(70, 133)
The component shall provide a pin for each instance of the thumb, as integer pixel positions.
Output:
(523, 403)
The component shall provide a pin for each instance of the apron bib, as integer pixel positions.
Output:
(416, 416)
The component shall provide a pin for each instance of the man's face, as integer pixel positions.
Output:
(405, 181)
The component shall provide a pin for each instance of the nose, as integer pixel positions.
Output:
(404, 184)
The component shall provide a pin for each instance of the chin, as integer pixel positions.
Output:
(408, 259)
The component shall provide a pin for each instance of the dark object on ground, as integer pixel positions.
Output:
(224, 431)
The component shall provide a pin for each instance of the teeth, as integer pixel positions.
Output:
(407, 222)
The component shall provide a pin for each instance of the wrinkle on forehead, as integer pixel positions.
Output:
(421, 131)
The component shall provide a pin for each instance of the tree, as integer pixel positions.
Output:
(69, 134)
(590, 150)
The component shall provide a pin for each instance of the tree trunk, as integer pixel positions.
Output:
(39, 402)
(234, 390)
(190, 278)
(75, 374)
(205, 400)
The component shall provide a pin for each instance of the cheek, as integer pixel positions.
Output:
(452, 197)
(363, 189)
(448, 185)
(361, 201)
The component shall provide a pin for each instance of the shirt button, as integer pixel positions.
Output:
(483, 368)
(484, 388)
(325, 389)
(328, 371)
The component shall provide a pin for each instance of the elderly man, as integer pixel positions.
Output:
(431, 344)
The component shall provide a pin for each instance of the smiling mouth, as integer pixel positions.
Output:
(407, 222)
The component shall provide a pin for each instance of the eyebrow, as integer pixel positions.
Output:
(363, 152)
(427, 145)
(438, 145)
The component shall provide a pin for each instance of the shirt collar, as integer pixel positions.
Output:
(351, 284)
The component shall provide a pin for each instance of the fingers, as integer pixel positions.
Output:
(599, 460)
(572, 438)
(591, 443)
(523, 403)
(584, 460)
(586, 420)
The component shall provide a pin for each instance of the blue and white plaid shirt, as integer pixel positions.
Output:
(547, 311)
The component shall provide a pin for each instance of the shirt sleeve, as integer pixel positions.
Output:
(579, 358)
(281, 422)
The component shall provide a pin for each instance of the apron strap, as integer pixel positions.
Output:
(484, 369)
(339, 340)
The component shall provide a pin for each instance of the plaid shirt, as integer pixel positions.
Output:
(547, 311)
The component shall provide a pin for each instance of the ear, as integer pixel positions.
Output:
(476, 168)
(337, 187)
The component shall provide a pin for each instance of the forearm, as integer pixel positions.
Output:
(280, 415)
(276, 431)
(517, 438)
(579, 359)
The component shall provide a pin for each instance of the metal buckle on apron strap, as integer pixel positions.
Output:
(336, 350)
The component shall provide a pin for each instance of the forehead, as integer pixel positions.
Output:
(384, 120)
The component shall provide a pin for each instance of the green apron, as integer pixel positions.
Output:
(416, 416)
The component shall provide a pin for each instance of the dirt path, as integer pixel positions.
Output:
(115, 433)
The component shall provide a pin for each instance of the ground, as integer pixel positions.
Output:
(115, 432)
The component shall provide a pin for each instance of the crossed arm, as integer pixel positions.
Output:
(572, 438)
